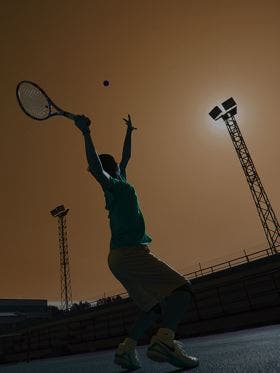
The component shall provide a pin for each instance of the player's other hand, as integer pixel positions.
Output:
(83, 123)
(128, 122)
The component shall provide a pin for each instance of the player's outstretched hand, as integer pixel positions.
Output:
(129, 123)
(83, 123)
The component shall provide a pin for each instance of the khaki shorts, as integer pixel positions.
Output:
(147, 279)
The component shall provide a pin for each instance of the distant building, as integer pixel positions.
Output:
(14, 311)
(23, 305)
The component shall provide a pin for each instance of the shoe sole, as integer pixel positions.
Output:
(153, 355)
(125, 364)
(166, 356)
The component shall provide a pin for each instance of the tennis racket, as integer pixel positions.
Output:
(36, 103)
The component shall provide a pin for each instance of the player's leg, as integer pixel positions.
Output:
(162, 347)
(126, 354)
(144, 321)
(175, 306)
(127, 266)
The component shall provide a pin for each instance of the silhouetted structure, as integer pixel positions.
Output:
(65, 281)
(268, 218)
(23, 305)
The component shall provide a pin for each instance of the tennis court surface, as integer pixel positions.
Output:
(245, 351)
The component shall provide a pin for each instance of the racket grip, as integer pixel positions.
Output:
(69, 115)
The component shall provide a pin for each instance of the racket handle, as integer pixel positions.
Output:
(69, 115)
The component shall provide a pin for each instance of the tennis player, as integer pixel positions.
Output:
(158, 290)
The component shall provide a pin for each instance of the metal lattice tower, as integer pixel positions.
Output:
(65, 281)
(268, 218)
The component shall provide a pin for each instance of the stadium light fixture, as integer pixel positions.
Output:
(229, 110)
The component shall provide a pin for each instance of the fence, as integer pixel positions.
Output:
(246, 258)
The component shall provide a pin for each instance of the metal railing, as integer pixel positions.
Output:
(246, 258)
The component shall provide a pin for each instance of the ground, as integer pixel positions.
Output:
(247, 351)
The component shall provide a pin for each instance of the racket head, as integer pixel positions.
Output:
(33, 100)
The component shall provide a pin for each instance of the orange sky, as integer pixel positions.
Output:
(169, 63)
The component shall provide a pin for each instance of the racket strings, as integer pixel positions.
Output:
(33, 101)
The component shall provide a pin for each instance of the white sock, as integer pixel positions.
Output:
(166, 333)
(130, 342)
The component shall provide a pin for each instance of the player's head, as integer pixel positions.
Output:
(109, 164)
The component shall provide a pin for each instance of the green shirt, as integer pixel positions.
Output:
(126, 219)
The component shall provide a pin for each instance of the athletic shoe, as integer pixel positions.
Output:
(170, 351)
(127, 357)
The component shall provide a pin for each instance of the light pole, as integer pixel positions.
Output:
(65, 281)
(268, 218)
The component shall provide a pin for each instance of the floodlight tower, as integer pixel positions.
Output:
(65, 282)
(268, 218)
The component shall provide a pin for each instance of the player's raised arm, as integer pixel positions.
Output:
(126, 153)
(95, 166)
